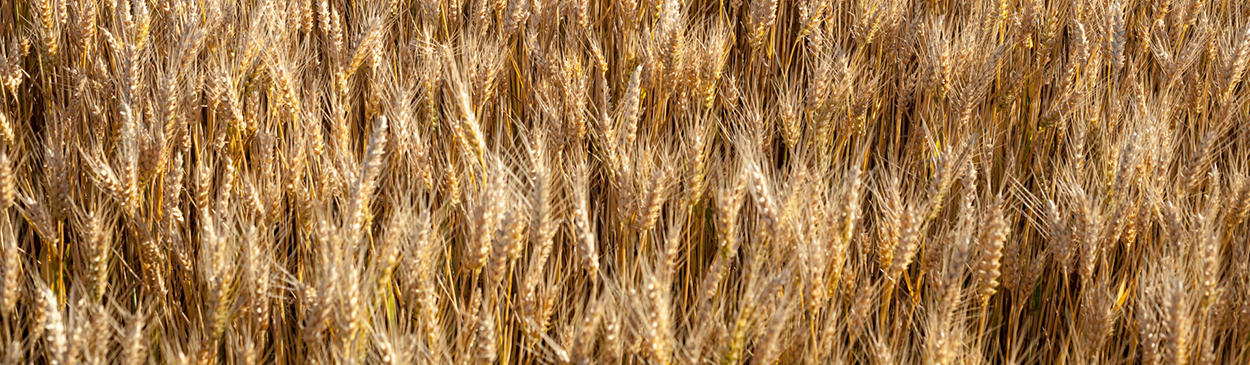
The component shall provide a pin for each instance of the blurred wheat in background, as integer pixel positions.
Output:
(633, 181)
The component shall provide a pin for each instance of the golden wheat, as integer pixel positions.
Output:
(641, 181)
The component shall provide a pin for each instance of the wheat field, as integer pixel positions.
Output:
(624, 182)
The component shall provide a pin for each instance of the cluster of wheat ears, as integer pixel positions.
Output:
(632, 181)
